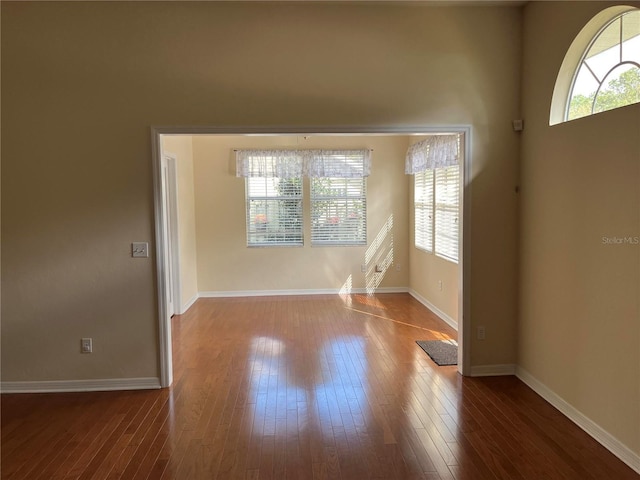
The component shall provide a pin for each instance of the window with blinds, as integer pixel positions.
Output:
(423, 203)
(447, 186)
(274, 211)
(338, 211)
(436, 205)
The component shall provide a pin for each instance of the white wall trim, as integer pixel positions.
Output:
(164, 320)
(443, 316)
(493, 370)
(275, 293)
(189, 304)
(175, 278)
(96, 385)
(464, 265)
(603, 437)
(164, 330)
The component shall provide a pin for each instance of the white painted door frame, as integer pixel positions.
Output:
(174, 287)
(464, 263)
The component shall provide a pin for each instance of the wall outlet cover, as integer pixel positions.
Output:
(140, 249)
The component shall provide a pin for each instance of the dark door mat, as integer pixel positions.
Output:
(443, 352)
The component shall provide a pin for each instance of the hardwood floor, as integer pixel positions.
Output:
(310, 387)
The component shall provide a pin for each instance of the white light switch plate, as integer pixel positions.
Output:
(139, 249)
(86, 345)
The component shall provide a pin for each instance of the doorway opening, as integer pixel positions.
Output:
(170, 298)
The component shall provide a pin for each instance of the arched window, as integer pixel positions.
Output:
(601, 70)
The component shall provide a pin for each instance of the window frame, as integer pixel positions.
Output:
(610, 68)
(343, 206)
(572, 61)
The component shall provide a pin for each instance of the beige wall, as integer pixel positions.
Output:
(102, 73)
(428, 271)
(579, 331)
(181, 148)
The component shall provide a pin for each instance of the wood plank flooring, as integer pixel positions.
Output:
(305, 387)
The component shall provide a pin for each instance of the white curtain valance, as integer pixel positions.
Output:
(296, 163)
(338, 163)
(268, 163)
(434, 152)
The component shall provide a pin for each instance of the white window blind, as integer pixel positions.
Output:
(423, 206)
(339, 204)
(447, 189)
(273, 197)
(274, 211)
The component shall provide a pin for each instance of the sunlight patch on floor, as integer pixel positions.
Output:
(437, 334)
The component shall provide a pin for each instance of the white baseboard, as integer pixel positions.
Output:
(493, 370)
(99, 385)
(443, 316)
(603, 437)
(273, 293)
(189, 304)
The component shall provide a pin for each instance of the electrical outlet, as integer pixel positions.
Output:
(363, 268)
(86, 345)
(140, 249)
(398, 267)
(481, 333)
(440, 285)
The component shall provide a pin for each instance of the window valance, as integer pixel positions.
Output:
(437, 151)
(268, 163)
(296, 163)
(338, 163)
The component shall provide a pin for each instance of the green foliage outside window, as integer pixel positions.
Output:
(621, 91)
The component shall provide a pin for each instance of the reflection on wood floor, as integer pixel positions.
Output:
(322, 387)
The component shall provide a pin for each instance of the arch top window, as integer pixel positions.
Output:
(601, 70)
